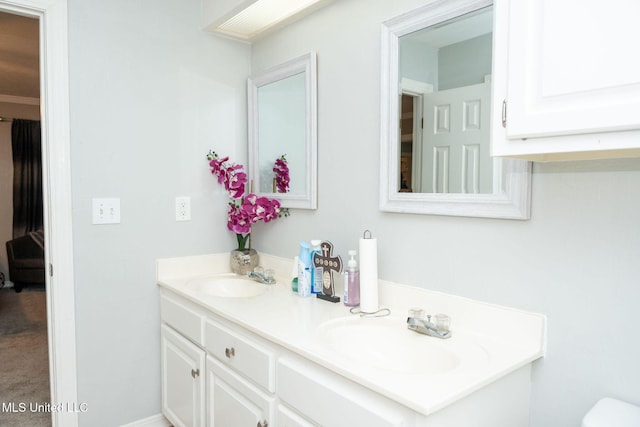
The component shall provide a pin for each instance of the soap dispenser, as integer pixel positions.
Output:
(352, 282)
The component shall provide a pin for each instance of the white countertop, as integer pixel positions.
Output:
(490, 341)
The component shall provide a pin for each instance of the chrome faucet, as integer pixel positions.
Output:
(440, 329)
(262, 276)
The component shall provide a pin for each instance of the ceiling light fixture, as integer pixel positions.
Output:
(255, 17)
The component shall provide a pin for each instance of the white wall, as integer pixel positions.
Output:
(150, 94)
(19, 111)
(576, 260)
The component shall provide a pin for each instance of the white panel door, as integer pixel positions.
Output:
(455, 147)
(183, 386)
(573, 66)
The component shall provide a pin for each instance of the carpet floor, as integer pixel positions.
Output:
(24, 358)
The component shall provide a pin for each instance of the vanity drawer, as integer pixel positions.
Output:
(246, 356)
(288, 418)
(327, 399)
(183, 318)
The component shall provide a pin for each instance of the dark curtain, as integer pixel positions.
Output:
(27, 176)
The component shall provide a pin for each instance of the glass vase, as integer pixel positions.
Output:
(243, 261)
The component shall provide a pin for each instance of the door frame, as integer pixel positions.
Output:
(416, 89)
(57, 200)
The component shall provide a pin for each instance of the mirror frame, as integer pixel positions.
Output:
(511, 197)
(304, 64)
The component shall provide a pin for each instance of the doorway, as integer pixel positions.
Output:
(410, 143)
(25, 378)
(54, 96)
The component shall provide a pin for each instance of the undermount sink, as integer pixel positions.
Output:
(385, 343)
(227, 286)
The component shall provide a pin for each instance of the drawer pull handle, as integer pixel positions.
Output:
(263, 424)
(195, 373)
(504, 113)
(229, 352)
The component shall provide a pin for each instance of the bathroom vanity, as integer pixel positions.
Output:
(237, 352)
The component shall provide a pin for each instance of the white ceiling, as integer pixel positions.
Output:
(19, 69)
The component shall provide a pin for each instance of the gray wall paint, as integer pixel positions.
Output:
(149, 95)
(575, 261)
(465, 63)
(418, 62)
(460, 64)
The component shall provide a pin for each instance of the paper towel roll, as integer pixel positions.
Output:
(368, 274)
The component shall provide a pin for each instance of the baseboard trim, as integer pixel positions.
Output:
(152, 421)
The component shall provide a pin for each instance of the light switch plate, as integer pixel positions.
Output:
(106, 211)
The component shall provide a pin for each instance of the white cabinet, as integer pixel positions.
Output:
(566, 79)
(183, 383)
(231, 386)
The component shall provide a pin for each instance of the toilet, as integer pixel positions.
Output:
(612, 413)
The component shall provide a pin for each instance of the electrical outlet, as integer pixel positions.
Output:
(105, 211)
(183, 208)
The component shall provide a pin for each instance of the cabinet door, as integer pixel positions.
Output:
(566, 70)
(233, 401)
(183, 365)
(573, 67)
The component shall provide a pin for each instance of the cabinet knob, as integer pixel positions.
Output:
(229, 352)
(263, 424)
(195, 373)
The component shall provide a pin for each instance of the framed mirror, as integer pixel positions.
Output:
(282, 105)
(436, 110)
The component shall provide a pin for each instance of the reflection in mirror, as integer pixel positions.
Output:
(282, 133)
(445, 72)
(436, 110)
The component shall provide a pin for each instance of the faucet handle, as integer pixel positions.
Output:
(442, 322)
(416, 313)
(270, 275)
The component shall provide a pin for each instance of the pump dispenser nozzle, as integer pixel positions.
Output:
(352, 259)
